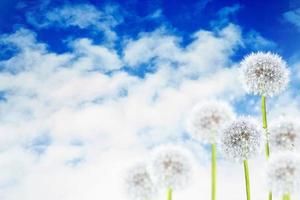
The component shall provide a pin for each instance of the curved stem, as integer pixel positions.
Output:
(169, 193)
(213, 171)
(265, 126)
(247, 179)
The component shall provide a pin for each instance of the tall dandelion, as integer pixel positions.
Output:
(171, 167)
(283, 174)
(204, 124)
(139, 184)
(264, 74)
(240, 141)
(285, 135)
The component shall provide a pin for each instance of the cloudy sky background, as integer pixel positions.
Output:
(88, 88)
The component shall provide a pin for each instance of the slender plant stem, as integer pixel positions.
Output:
(213, 171)
(270, 195)
(286, 197)
(247, 179)
(265, 126)
(169, 193)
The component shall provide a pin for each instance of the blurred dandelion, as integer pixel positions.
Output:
(139, 183)
(285, 135)
(207, 119)
(283, 173)
(172, 167)
(240, 141)
(204, 124)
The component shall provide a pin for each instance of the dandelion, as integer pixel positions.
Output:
(242, 140)
(171, 167)
(139, 183)
(207, 119)
(283, 173)
(265, 74)
(285, 135)
(204, 124)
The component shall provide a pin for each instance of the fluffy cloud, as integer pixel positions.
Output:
(293, 16)
(208, 51)
(82, 16)
(71, 123)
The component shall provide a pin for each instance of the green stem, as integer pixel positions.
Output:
(169, 193)
(247, 179)
(286, 197)
(213, 171)
(270, 195)
(265, 126)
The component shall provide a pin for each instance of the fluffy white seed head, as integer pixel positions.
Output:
(172, 166)
(285, 135)
(264, 73)
(242, 139)
(207, 119)
(283, 173)
(139, 183)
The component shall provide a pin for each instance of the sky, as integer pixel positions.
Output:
(89, 88)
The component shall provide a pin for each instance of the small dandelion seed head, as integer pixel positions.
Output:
(207, 119)
(242, 139)
(172, 166)
(284, 135)
(139, 183)
(283, 173)
(264, 73)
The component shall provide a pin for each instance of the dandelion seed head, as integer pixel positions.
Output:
(139, 183)
(242, 139)
(284, 135)
(207, 119)
(264, 73)
(172, 166)
(283, 173)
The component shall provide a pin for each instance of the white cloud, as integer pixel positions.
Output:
(256, 41)
(293, 16)
(97, 123)
(225, 14)
(93, 57)
(82, 16)
(208, 51)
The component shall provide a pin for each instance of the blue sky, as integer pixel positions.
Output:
(88, 88)
(276, 21)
